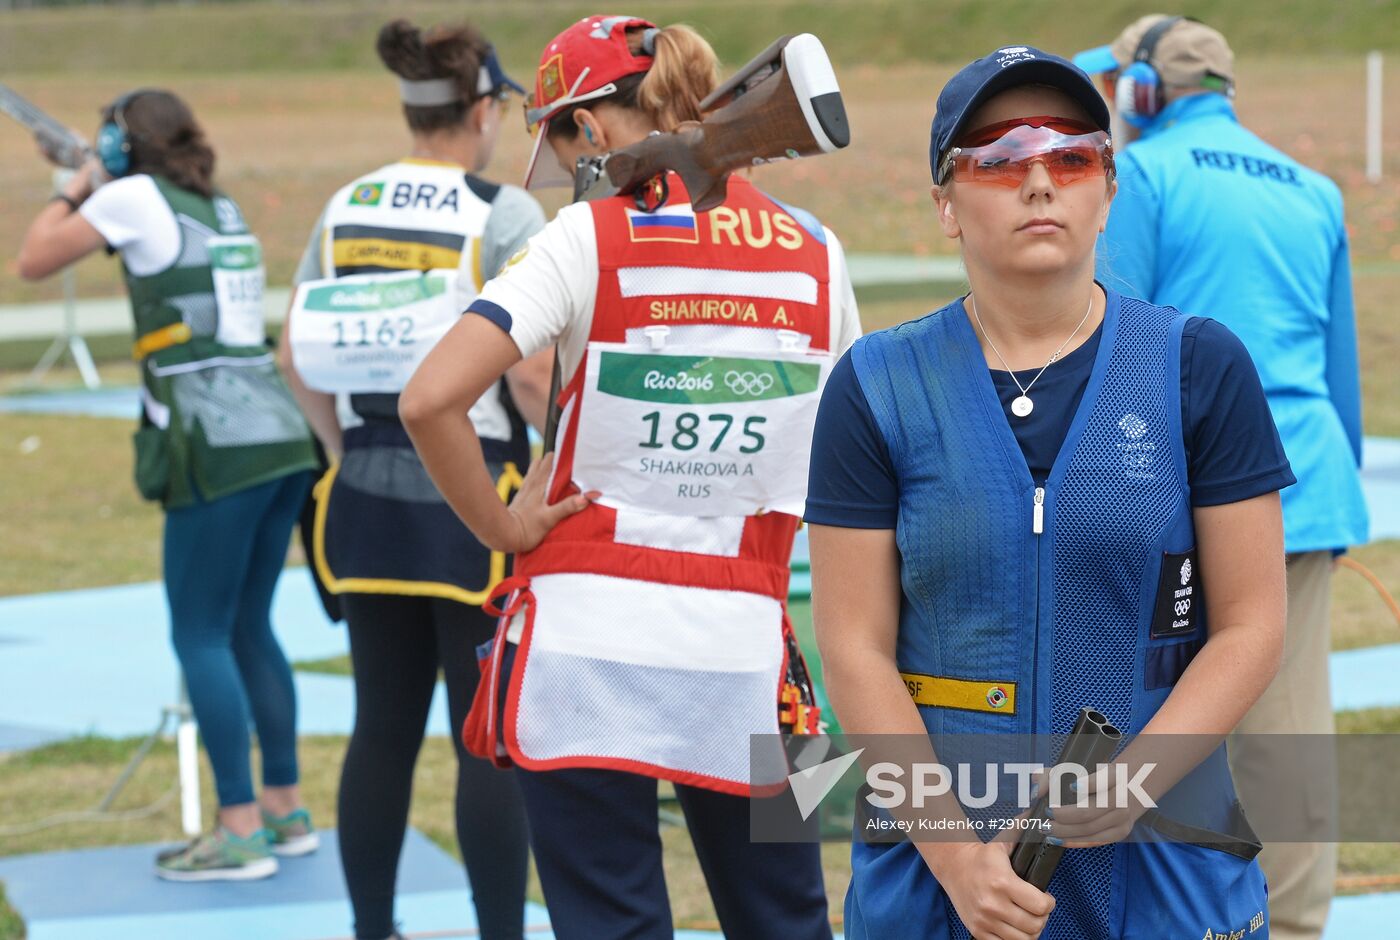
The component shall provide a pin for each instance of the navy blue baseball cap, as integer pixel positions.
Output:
(492, 78)
(1006, 68)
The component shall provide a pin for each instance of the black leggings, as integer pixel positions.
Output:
(397, 645)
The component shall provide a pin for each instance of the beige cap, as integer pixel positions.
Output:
(1184, 55)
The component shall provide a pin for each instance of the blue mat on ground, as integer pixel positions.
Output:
(1381, 480)
(111, 893)
(1365, 678)
(106, 402)
(99, 662)
(1363, 915)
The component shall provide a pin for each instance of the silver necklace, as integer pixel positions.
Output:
(1022, 405)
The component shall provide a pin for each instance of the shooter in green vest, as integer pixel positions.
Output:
(221, 445)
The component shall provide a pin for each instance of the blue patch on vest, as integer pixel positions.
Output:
(804, 218)
(1167, 661)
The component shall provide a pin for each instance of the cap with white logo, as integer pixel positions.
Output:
(1008, 67)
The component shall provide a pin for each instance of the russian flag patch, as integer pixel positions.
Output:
(667, 224)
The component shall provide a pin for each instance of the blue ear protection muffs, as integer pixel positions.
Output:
(1139, 95)
(114, 141)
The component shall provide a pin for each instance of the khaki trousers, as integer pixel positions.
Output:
(1301, 875)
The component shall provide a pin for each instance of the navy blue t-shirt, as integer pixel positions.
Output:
(1233, 450)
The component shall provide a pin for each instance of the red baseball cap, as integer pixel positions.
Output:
(582, 63)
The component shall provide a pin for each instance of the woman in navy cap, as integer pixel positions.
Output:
(1014, 501)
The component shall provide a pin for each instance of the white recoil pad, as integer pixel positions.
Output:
(809, 69)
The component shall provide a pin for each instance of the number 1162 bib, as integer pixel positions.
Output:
(369, 332)
(683, 431)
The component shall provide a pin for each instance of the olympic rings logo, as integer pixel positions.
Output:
(748, 383)
(1182, 607)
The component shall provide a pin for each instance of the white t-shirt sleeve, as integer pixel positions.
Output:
(545, 294)
(845, 318)
(133, 218)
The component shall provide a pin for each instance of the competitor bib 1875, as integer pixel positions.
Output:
(686, 431)
(369, 332)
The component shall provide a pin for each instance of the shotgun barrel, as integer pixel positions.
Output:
(1092, 742)
(62, 145)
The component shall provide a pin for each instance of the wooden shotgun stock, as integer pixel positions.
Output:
(782, 105)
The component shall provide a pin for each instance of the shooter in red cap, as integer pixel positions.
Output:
(645, 634)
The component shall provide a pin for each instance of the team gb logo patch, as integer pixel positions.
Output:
(1133, 426)
(1012, 54)
(1138, 456)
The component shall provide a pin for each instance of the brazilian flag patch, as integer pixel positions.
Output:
(367, 194)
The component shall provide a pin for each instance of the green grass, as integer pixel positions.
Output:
(287, 140)
(1369, 721)
(1359, 615)
(72, 776)
(11, 926)
(68, 488)
(338, 35)
(331, 666)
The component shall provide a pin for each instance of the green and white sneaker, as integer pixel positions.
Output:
(220, 856)
(291, 835)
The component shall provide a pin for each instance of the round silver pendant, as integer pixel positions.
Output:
(1022, 406)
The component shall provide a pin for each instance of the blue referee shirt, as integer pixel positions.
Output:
(1213, 221)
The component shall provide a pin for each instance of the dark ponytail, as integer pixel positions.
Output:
(167, 141)
(452, 52)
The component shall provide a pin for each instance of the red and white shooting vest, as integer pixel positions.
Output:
(654, 642)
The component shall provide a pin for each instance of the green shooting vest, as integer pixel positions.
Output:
(216, 416)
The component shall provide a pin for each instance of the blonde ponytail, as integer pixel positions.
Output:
(684, 71)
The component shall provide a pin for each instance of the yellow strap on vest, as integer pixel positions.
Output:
(163, 338)
(478, 276)
(998, 698)
(398, 255)
(506, 484)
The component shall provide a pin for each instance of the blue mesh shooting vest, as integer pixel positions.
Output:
(1022, 628)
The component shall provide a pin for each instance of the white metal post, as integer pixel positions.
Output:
(70, 340)
(1373, 117)
(77, 346)
(187, 750)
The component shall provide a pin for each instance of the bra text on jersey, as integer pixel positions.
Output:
(424, 196)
